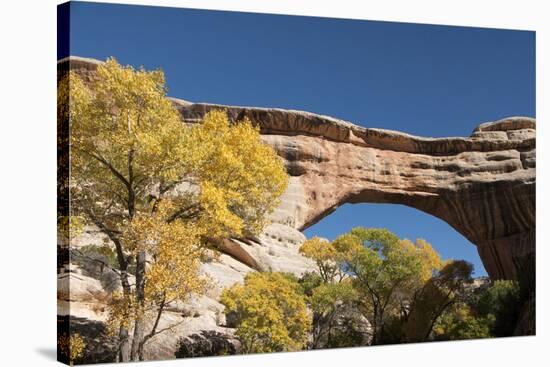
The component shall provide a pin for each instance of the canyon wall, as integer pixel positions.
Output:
(482, 185)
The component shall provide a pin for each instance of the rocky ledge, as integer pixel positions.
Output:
(482, 185)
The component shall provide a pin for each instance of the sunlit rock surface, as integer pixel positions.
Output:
(482, 185)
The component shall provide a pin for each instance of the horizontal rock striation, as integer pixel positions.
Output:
(482, 185)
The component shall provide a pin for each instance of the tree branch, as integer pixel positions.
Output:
(113, 170)
(118, 245)
(159, 313)
(180, 213)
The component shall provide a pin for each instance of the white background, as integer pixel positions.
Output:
(28, 182)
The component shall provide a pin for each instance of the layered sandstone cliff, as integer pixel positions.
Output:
(482, 185)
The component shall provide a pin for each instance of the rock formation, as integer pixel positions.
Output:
(85, 284)
(482, 185)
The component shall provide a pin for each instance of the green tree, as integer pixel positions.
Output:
(159, 189)
(443, 290)
(326, 301)
(270, 312)
(328, 290)
(460, 322)
(491, 312)
(308, 282)
(386, 271)
(501, 302)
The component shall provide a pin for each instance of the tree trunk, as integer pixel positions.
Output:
(136, 340)
(376, 326)
(141, 347)
(124, 342)
(316, 330)
(140, 296)
(123, 334)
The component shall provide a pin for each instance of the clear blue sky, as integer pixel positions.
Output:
(421, 79)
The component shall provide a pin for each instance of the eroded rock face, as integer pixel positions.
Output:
(86, 282)
(482, 185)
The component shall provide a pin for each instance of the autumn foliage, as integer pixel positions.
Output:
(376, 271)
(163, 191)
(159, 189)
(270, 312)
(71, 347)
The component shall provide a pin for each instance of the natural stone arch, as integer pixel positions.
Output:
(482, 185)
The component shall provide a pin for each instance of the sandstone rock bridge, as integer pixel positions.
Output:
(482, 185)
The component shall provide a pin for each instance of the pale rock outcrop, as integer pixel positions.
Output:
(86, 282)
(482, 185)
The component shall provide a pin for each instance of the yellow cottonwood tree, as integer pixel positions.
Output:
(270, 311)
(386, 271)
(325, 256)
(158, 188)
